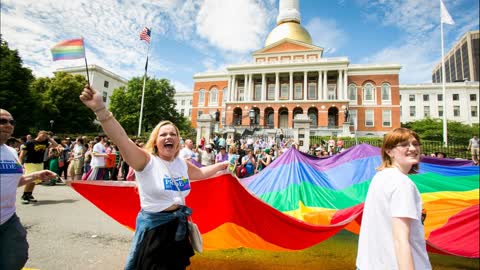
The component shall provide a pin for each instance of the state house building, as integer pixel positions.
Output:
(290, 76)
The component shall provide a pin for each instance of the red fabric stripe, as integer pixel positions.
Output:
(460, 235)
(71, 42)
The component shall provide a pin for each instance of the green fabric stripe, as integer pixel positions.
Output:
(315, 196)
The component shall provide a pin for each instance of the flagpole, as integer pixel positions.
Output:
(143, 93)
(86, 65)
(444, 92)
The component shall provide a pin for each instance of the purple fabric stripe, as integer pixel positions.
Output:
(446, 161)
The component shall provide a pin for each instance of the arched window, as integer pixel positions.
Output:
(368, 93)
(201, 97)
(352, 93)
(213, 97)
(386, 93)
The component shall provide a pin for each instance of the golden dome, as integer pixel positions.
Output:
(291, 30)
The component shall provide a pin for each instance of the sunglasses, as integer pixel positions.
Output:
(4, 121)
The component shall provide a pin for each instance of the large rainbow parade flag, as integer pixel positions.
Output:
(300, 200)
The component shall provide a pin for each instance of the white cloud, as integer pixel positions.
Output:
(181, 87)
(231, 25)
(325, 33)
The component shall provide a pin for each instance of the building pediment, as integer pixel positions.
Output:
(287, 45)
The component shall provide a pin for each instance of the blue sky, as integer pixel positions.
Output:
(192, 36)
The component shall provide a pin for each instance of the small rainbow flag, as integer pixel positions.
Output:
(68, 49)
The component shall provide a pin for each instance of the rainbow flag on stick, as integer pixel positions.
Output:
(68, 49)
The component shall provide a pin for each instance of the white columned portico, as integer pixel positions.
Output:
(277, 86)
(339, 85)
(325, 89)
(319, 85)
(305, 85)
(290, 90)
(345, 86)
(263, 87)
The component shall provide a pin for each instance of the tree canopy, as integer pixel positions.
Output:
(15, 95)
(159, 104)
(432, 130)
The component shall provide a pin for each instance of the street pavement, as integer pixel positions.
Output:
(65, 231)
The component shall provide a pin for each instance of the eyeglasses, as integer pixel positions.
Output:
(4, 121)
(407, 144)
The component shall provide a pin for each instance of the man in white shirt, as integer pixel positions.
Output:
(186, 152)
(473, 144)
(97, 165)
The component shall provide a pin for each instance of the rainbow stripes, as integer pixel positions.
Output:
(299, 201)
(68, 49)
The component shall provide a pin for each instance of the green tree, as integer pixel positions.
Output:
(15, 95)
(59, 102)
(432, 130)
(159, 105)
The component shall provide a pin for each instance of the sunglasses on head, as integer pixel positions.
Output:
(4, 121)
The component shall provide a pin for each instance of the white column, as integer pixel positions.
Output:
(305, 85)
(245, 88)
(290, 90)
(319, 86)
(277, 85)
(229, 91)
(345, 85)
(234, 88)
(339, 85)
(325, 88)
(263, 87)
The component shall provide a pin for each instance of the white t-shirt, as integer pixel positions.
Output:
(186, 153)
(391, 194)
(10, 173)
(155, 187)
(98, 161)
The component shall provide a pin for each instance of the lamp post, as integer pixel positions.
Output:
(251, 115)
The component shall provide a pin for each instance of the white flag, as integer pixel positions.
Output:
(444, 15)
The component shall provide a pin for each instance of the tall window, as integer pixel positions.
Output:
(241, 92)
(182, 111)
(440, 111)
(183, 101)
(201, 97)
(411, 97)
(213, 96)
(455, 97)
(386, 96)
(456, 110)
(258, 92)
(225, 94)
(386, 118)
(352, 93)
(284, 91)
(412, 111)
(426, 97)
(106, 84)
(473, 97)
(298, 90)
(440, 97)
(369, 118)
(312, 90)
(104, 96)
(189, 112)
(426, 111)
(332, 92)
(271, 92)
(368, 93)
(474, 111)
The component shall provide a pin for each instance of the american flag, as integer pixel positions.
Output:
(145, 34)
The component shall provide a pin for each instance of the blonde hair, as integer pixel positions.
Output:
(390, 141)
(151, 146)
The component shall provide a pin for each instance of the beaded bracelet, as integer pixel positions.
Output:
(104, 117)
